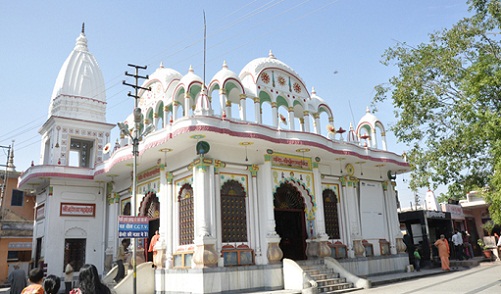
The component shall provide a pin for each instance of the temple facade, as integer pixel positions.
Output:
(237, 174)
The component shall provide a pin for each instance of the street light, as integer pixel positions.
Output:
(136, 135)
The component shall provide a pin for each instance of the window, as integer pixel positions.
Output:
(80, 153)
(74, 250)
(186, 222)
(233, 212)
(17, 198)
(331, 214)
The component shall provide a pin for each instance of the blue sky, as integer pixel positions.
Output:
(335, 46)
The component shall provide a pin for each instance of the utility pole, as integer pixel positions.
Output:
(135, 136)
(5, 175)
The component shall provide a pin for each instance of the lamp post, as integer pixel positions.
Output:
(136, 135)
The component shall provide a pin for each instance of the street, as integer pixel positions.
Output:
(485, 278)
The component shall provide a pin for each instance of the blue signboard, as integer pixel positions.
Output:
(133, 226)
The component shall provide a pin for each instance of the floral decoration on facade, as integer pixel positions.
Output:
(281, 80)
(297, 88)
(265, 78)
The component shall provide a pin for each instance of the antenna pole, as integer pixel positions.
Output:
(205, 46)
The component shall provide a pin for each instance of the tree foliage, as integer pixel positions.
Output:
(447, 101)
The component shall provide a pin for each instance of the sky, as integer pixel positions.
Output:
(335, 46)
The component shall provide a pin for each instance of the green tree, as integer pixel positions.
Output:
(447, 101)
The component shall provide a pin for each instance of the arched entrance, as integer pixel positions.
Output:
(290, 221)
(150, 207)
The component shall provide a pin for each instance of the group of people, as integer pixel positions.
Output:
(89, 282)
(462, 248)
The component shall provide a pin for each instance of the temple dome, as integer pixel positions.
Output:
(79, 91)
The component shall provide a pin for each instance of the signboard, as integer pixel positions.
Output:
(78, 209)
(455, 210)
(133, 226)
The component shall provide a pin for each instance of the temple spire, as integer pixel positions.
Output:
(83, 28)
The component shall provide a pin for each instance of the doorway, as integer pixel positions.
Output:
(154, 224)
(290, 221)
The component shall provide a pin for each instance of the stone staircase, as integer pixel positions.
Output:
(328, 281)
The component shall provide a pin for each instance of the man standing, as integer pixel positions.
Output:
(121, 257)
(68, 277)
(151, 248)
(17, 280)
(457, 239)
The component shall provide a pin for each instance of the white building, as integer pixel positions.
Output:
(271, 186)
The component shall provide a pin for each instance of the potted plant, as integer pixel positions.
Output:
(487, 252)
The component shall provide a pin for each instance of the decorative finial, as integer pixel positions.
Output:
(225, 65)
(313, 91)
(83, 28)
(191, 69)
(270, 55)
(161, 64)
(367, 109)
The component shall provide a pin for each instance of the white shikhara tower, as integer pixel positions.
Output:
(76, 121)
(70, 204)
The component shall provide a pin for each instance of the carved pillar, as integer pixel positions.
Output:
(255, 217)
(205, 251)
(266, 213)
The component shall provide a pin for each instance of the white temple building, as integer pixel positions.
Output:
(236, 176)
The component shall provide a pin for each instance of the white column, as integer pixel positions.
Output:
(222, 101)
(373, 138)
(306, 121)
(270, 239)
(352, 212)
(392, 213)
(319, 214)
(166, 116)
(257, 110)
(187, 104)
(274, 113)
(291, 119)
(205, 239)
(243, 110)
(317, 126)
(254, 216)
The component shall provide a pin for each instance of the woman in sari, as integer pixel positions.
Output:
(443, 252)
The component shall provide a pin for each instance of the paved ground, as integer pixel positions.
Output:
(377, 280)
(402, 276)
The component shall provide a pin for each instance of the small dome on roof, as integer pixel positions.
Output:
(165, 75)
(223, 75)
(256, 66)
(316, 100)
(369, 119)
(190, 78)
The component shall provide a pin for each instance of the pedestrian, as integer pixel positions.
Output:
(68, 276)
(151, 248)
(417, 260)
(457, 239)
(17, 279)
(36, 278)
(89, 282)
(51, 284)
(443, 252)
(121, 257)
